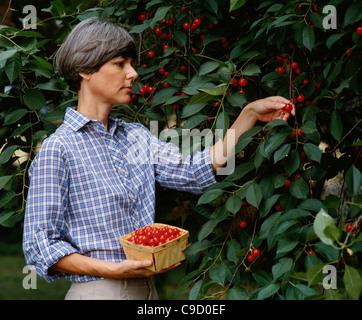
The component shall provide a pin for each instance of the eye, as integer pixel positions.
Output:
(121, 64)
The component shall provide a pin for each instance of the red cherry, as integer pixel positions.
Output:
(349, 52)
(299, 132)
(278, 207)
(287, 183)
(300, 98)
(349, 227)
(306, 81)
(311, 252)
(151, 54)
(250, 258)
(359, 31)
(243, 82)
(256, 252)
(165, 84)
(279, 58)
(161, 70)
(186, 26)
(158, 32)
(280, 70)
(142, 17)
(288, 107)
(294, 65)
(242, 224)
(182, 68)
(197, 21)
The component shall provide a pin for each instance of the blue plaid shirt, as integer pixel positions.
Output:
(90, 186)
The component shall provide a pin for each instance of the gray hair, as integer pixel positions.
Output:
(89, 45)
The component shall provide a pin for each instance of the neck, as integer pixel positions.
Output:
(92, 108)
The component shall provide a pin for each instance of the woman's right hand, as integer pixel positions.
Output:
(136, 269)
(79, 264)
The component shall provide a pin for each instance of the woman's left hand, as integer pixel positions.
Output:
(270, 108)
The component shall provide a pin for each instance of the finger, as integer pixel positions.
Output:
(141, 264)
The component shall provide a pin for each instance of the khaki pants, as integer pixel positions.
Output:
(110, 289)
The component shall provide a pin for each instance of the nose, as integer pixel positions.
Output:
(131, 73)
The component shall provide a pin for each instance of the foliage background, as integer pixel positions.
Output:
(296, 191)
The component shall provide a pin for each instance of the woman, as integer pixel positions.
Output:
(94, 178)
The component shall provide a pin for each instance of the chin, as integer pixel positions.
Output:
(123, 100)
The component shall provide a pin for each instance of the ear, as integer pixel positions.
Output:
(85, 76)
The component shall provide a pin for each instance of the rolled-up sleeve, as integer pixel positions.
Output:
(193, 173)
(44, 223)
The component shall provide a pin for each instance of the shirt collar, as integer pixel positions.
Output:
(77, 120)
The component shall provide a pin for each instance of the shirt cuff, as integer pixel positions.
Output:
(51, 251)
(203, 168)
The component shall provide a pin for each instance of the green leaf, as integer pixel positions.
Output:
(268, 291)
(299, 189)
(195, 290)
(353, 180)
(163, 95)
(267, 205)
(321, 222)
(336, 125)
(200, 98)
(7, 153)
(217, 90)
(208, 67)
(233, 250)
(251, 70)
(5, 55)
(4, 180)
(210, 195)
(308, 37)
(236, 4)
(15, 116)
(353, 282)
(194, 121)
(222, 122)
(237, 99)
(6, 197)
(272, 143)
(206, 229)
(196, 247)
(191, 109)
(160, 14)
(254, 195)
(314, 274)
(353, 13)
(292, 162)
(281, 152)
(13, 67)
(218, 273)
(313, 152)
(237, 293)
(283, 267)
(34, 99)
(299, 292)
(286, 245)
(233, 204)
(333, 39)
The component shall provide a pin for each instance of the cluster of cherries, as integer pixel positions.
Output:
(154, 236)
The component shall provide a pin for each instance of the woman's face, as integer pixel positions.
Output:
(112, 83)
